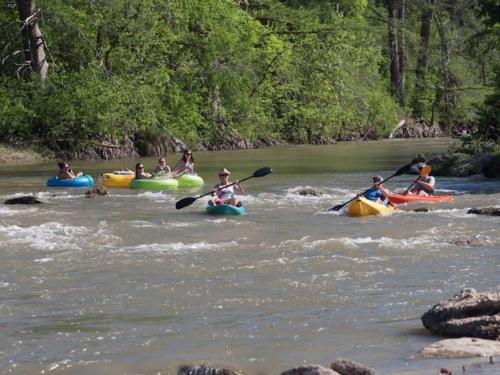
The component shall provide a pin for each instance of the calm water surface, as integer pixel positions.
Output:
(127, 284)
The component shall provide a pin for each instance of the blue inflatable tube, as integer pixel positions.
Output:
(79, 182)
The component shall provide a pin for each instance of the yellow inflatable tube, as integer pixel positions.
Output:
(118, 179)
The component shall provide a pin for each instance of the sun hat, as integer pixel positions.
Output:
(224, 171)
(378, 178)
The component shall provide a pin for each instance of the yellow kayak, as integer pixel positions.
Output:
(365, 207)
(118, 179)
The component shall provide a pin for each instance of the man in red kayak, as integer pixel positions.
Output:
(425, 184)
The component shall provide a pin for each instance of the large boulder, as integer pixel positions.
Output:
(492, 168)
(207, 369)
(468, 313)
(462, 348)
(310, 191)
(415, 128)
(345, 367)
(25, 199)
(493, 211)
(310, 370)
(459, 165)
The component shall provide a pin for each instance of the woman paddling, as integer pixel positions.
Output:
(226, 194)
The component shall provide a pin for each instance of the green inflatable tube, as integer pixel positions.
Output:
(190, 180)
(154, 183)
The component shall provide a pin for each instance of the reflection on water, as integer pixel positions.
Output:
(127, 284)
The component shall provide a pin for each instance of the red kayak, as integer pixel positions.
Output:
(402, 199)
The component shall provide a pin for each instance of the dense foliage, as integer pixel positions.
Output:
(207, 71)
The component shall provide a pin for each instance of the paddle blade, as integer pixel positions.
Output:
(402, 170)
(184, 202)
(262, 172)
(337, 207)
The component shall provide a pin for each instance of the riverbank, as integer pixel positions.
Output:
(20, 155)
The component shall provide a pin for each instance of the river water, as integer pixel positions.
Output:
(127, 284)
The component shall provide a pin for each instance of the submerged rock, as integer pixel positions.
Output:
(310, 370)
(94, 192)
(493, 211)
(345, 367)
(470, 242)
(310, 191)
(207, 369)
(462, 348)
(422, 209)
(468, 313)
(25, 199)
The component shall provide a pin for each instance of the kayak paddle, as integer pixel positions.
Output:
(400, 171)
(184, 202)
(426, 170)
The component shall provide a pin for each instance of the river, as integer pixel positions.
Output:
(127, 284)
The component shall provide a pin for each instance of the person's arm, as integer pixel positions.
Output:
(70, 174)
(427, 185)
(383, 190)
(239, 188)
(213, 193)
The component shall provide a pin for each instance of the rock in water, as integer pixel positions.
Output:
(344, 367)
(94, 192)
(493, 211)
(311, 191)
(25, 199)
(310, 370)
(204, 369)
(462, 348)
(422, 209)
(469, 314)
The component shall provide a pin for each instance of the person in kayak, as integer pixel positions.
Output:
(162, 168)
(139, 172)
(226, 195)
(66, 173)
(425, 184)
(185, 165)
(378, 193)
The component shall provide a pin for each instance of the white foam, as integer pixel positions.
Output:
(57, 236)
(43, 260)
(355, 243)
(176, 247)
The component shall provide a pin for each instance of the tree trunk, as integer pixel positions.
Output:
(423, 56)
(396, 79)
(33, 43)
(401, 51)
(445, 71)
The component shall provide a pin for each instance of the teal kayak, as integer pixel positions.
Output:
(225, 209)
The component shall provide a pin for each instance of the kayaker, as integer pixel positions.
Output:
(185, 165)
(139, 172)
(226, 195)
(378, 193)
(162, 168)
(66, 173)
(425, 184)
